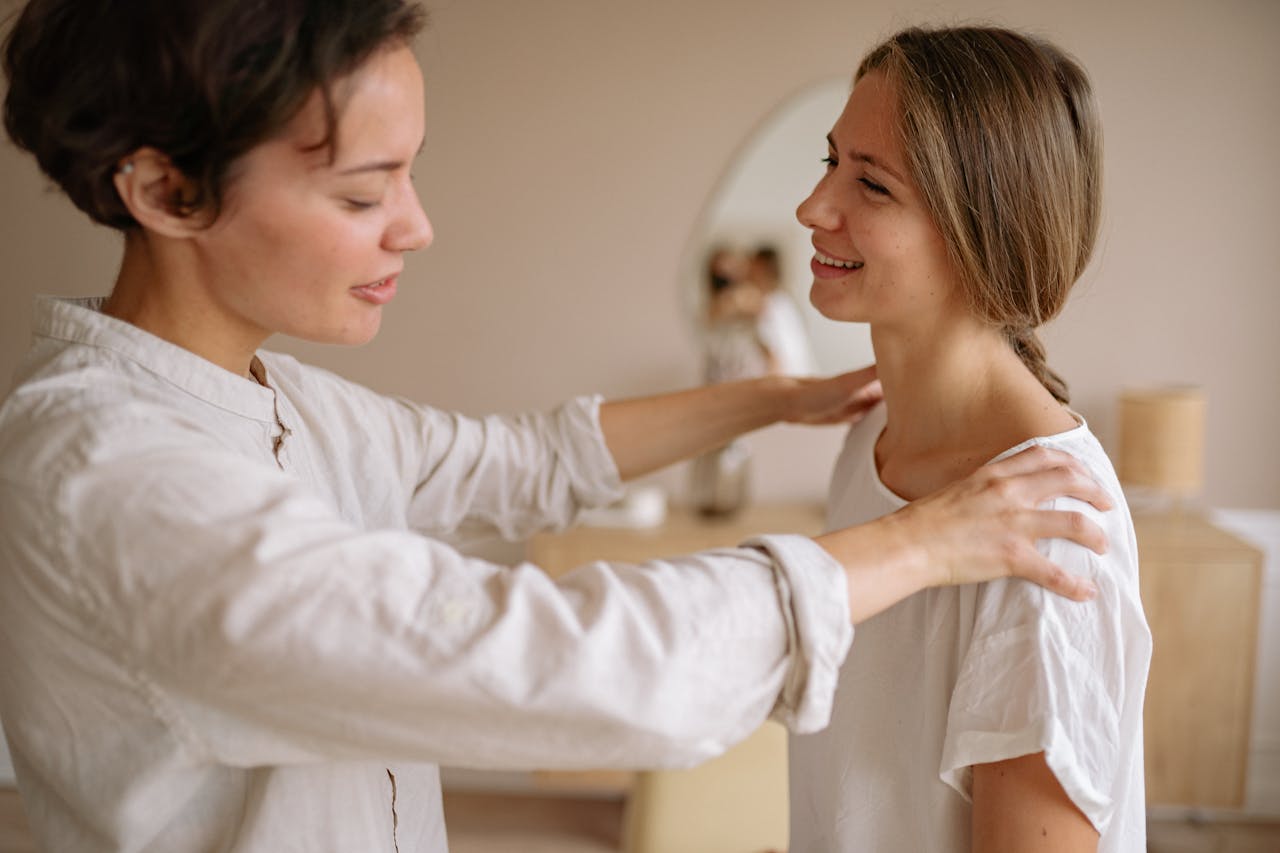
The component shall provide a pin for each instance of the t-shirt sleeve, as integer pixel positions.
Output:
(1044, 674)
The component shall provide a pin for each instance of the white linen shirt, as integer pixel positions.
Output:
(958, 676)
(224, 625)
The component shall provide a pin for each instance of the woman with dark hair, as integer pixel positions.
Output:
(959, 206)
(226, 619)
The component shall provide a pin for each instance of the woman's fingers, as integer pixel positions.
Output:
(974, 545)
(1036, 568)
(836, 399)
(1038, 474)
(1065, 524)
(1034, 458)
(854, 379)
(987, 525)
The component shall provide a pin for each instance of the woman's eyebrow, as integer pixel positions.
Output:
(380, 165)
(867, 158)
(375, 166)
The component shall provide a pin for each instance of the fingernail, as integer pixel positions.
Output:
(1090, 590)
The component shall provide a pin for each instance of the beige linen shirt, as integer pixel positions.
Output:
(228, 621)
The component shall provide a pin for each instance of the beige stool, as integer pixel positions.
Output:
(736, 803)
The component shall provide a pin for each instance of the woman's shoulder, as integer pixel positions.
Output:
(1117, 611)
(1107, 637)
(1083, 445)
(1115, 572)
(1080, 442)
(53, 432)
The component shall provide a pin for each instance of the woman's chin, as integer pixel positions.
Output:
(837, 309)
(350, 334)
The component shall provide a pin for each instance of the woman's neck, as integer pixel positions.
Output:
(157, 293)
(956, 395)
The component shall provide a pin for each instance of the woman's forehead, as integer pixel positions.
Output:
(869, 123)
(377, 114)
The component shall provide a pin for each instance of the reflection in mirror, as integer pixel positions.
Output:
(747, 274)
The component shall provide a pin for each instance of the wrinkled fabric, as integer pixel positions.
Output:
(229, 620)
(954, 677)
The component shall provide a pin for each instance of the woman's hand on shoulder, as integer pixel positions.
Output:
(986, 525)
(845, 398)
(980, 528)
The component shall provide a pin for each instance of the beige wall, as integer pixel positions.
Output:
(571, 144)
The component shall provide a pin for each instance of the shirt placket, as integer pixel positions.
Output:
(278, 434)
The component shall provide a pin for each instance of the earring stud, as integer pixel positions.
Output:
(126, 167)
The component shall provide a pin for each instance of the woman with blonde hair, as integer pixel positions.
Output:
(960, 204)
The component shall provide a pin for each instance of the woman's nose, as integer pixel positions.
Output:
(817, 212)
(411, 229)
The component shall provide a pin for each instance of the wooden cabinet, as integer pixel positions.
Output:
(1201, 588)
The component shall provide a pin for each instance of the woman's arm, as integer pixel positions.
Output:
(648, 433)
(977, 529)
(1019, 807)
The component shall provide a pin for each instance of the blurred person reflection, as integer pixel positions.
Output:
(733, 346)
(779, 324)
(733, 349)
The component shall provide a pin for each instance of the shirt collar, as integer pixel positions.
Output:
(81, 321)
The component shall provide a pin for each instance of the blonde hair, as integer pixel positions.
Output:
(1002, 138)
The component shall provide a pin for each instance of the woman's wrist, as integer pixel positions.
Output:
(883, 563)
(783, 394)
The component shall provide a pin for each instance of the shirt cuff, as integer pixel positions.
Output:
(815, 601)
(595, 477)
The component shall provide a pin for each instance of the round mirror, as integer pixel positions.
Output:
(748, 233)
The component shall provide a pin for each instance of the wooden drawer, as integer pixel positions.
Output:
(1201, 588)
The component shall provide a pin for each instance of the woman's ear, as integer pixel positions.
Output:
(157, 194)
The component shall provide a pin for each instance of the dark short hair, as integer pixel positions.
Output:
(202, 81)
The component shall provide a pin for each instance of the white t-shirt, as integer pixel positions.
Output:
(957, 676)
(227, 622)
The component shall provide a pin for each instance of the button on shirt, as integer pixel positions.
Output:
(228, 621)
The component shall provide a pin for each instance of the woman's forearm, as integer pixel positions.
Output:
(648, 433)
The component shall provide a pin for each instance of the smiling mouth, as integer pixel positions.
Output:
(377, 285)
(379, 292)
(836, 262)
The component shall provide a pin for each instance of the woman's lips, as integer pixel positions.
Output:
(823, 267)
(379, 293)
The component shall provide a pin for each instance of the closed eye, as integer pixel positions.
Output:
(357, 204)
(873, 186)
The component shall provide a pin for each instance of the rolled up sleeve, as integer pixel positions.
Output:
(815, 602)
